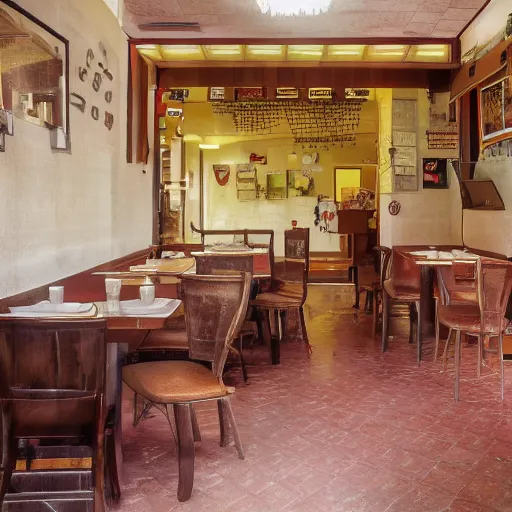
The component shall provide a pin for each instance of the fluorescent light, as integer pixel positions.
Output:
(388, 47)
(344, 52)
(182, 49)
(310, 50)
(146, 47)
(265, 49)
(294, 7)
(430, 53)
(209, 146)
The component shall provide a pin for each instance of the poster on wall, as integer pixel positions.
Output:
(496, 105)
(435, 173)
(222, 173)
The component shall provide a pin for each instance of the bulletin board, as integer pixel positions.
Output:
(405, 158)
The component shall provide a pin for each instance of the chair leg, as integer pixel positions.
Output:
(436, 350)
(264, 316)
(113, 489)
(445, 352)
(385, 320)
(223, 423)
(303, 325)
(195, 425)
(236, 434)
(480, 349)
(412, 322)
(458, 349)
(418, 333)
(375, 313)
(8, 452)
(99, 473)
(242, 362)
(502, 370)
(186, 453)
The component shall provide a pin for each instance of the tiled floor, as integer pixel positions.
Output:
(347, 429)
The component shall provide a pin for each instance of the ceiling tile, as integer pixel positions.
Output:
(434, 5)
(427, 17)
(413, 5)
(451, 25)
(419, 29)
(459, 14)
(467, 4)
(155, 8)
(347, 18)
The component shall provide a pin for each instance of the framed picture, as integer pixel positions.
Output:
(34, 73)
(435, 173)
(496, 108)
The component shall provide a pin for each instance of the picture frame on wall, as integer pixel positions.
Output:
(496, 109)
(435, 173)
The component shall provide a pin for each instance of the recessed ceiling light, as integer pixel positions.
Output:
(294, 7)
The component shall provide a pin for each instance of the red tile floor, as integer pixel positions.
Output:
(347, 429)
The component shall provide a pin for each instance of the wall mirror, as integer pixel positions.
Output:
(34, 71)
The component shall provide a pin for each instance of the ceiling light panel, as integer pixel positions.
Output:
(151, 51)
(347, 52)
(386, 52)
(182, 52)
(265, 52)
(224, 51)
(430, 53)
(305, 52)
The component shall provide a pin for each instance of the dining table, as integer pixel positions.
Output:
(118, 325)
(428, 258)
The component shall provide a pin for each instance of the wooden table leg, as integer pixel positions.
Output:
(427, 302)
(185, 451)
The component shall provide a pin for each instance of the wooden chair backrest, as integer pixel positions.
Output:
(61, 363)
(246, 234)
(215, 308)
(207, 264)
(494, 285)
(404, 271)
(382, 262)
(155, 251)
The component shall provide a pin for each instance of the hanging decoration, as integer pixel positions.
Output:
(255, 159)
(324, 122)
(222, 173)
(394, 208)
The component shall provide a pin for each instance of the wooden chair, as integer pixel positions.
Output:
(215, 308)
(52, 385)
(373, 288)
(487, 318)
(288, 290)
(248, 236)
(222, 264)
(456, 284)
(403, 286)
(155, 251)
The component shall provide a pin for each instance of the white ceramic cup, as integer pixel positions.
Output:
(56, 294)
(147, 294)
(113, 290)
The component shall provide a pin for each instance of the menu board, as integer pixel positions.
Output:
(405, 159)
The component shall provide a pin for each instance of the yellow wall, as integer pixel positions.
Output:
(222, 208)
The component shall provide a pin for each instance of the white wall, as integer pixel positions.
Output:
(488, 28)
(431, 217)
(490, 230)
(63, 213)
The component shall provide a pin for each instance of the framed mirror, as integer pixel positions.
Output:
(34, 72)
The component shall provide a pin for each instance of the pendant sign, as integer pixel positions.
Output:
(217, 93)
(222, 173)
(357, 94)
(287, 93)
(320, 93)
(175, 112)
